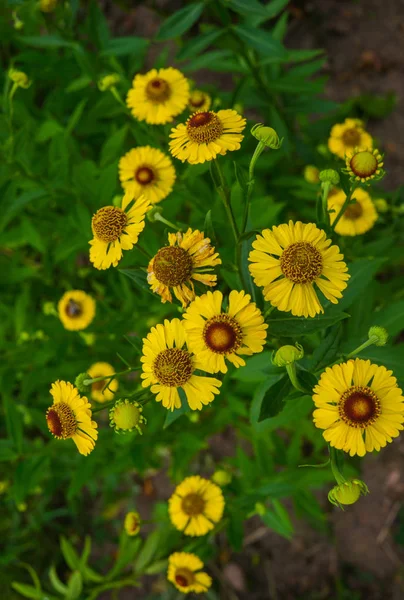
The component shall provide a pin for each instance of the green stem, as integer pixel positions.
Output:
(91, 381)
(224, 193)
(322, 212)
(339, 478)
(143, 251)
(291, 371)
(250, 183)
(368, 342)
(117, 97)
(343, 209)
(159, 217)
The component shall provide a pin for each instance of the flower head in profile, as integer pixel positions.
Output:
(19, 78)
(188, 257)
(364, 164)
(184, 571)
(104, 390)
(359, 405)
(132, 523)
(70, 417)
(148, 171)
(206, 135)
(289, 260)
(347, 492)
(199, 101)
(346, 136)
(76, 310)
(168, 366)
(116, 229)
(196, 506)
(215, 334)
(158, 96)
(358, 218)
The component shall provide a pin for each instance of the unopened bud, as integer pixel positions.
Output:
(378, 335)
(329, 176)
(348, 492)
(381, 205)
(221, 477)
(108, 82)
(267, 136)
(286, 355)
(80, 385)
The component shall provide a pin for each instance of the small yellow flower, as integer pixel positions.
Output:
(116, 229)
(98, 393)
(158, 96)
(132, 523)
(188, 257)
(221, 477)
(199, 101)
(207, 134)
(168, 366)
(348, 492)
(364, 165)
(19, 78)
(108, 81)
(358, 218)
(126, 415)
(76, 310)
(196, 506)
(359, 405)
(70, 417)
(311, 174)
(47, 6)
(184, 571)
(148, 171)
(214, 334)
(347, 136)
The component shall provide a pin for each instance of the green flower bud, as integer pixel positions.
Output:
(260, 509)
(108, 82)
(378, 335)
(221, 477)
(79, 383)
(48, 308)
(267, 136)
(348, 492)
(20, 78)
(286, 355)
(126, 415)
(329, 176)
(151, 214)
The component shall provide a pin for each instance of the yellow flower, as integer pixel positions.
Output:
(19, 78)
(184, 571)
(358, 218)
(347, 136)
(196, 506)
(189, 256)
(47, 6)
(207, 134)
(132, 523)
(214, 335)
(359, 405)
(289, 259)
(147, 171)
(311, 174)
(76, 310)
(199, 101)
(167, 366)
(116, 229)
(98, 393)
(364, 164)
(70, 417)
(158, 96)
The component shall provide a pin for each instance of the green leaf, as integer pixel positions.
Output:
(78, 84)
(139, 277)
(278, 520)
(148, 551)
(69, 553)
(47, 130)
(55, 581)
(14, 423)
(75, 586)
(362, 272)
(46, 41)
(7, 452)
(273, 397)
(123, 46)
(198, 44)
(76, 116)
(208, 228)
(28, 591)
(391, 318)
(179, 22)
(173, 415)
(18, 202)
(127, 551)
(247, 7)
(112, 149)
(156, 567)
(326, 352)
(261, 41)
(283, 324)
(235, 529)
(306, 380)
(241, 176)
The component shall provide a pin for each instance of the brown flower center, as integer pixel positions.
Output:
(97, 385)
(108, 223)
(359, 406)
(197, 99)
(172, 265)
(144, 175)
(158, 90)
(173, 367)
(301, 262)
(364, 164)
(354, 211)
(73, 309)
(184, 577)
(204, 127)
(193, 504)
(222, 334)
(351, 137)
(61, 420)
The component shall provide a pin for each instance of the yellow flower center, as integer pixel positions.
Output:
(301, 262)
(222, 334)
(126, 415)
(108, 223)
(197, 99)
(73, 309)
(173, 367)
(184, 577)
(193, 504)
(364, 163)
(158, 90)
(359, 406)
(354, 211)
(61, 420)
(144, 175)
(351, 137)
(204, 127)
(172, 265)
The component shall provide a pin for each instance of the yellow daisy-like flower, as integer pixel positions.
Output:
(158, 96)
(364, 164)
(189, 256)
(47, 6)
(132, 523)
(184, 571)
(347, 136)
(359, 405)
(214, 335)
(289, 259)
(207, 134)
(70, 417)
(196, 506)
(199, 101)
(358, 218)
(168, 365)
(98, 393)
(116, 229)
(147, 171)
(311, 174)
(76, 310)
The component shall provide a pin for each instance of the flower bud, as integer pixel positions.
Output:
(378, 335)
(221, 477)
(47, 6)
(3, 486)
(286, 355)
(48, 308)
(381, 205)
(348, 492)
(329, 176)
(88, 338)
(311, 174)
(79, 383)
(126, 416)
(132, 523)
(19, 78)
(151, 214)
(108, 82)
(260, 509)
(267, 136)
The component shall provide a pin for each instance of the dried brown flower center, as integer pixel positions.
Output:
(173, 367)
(222, 334)
(359, 406)
(172, 265)
(351, 137)
(364, 164)
(73, 309)
(144, 175)
(193, 504)
(184, 577)
(354, 211)
(204, 127)
(61, 420)
(301, 262)
(158, 90)
(108, 223)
